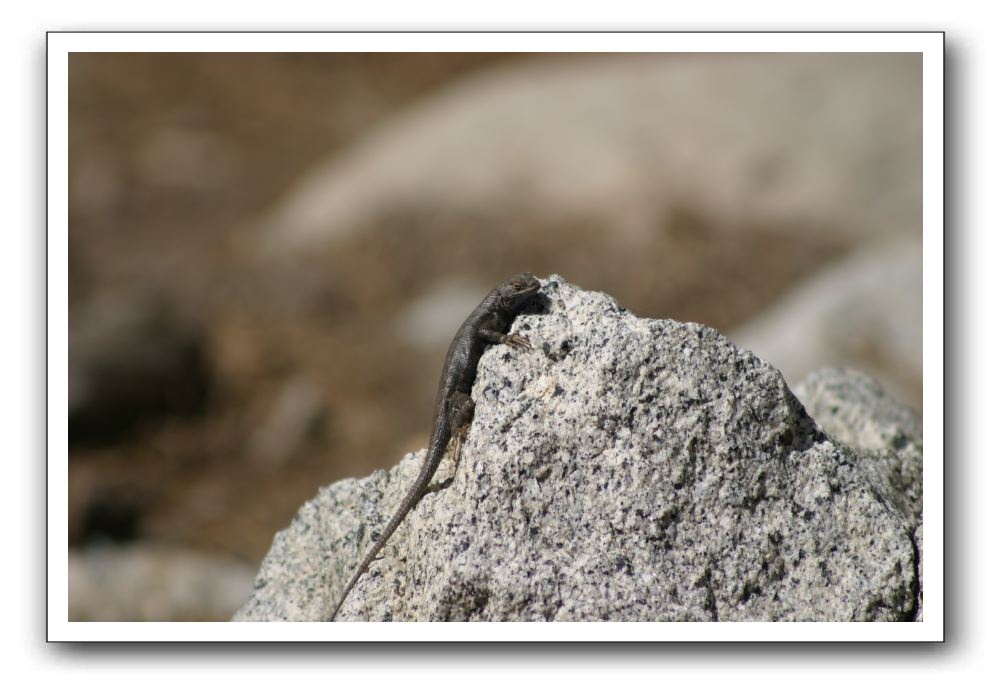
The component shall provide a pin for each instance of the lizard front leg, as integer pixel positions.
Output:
(513, 340)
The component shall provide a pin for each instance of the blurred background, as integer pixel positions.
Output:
(269, 254)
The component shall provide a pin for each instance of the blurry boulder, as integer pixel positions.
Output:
(154, 582)
(863, 312)
(296, 416)
(818, 141)
(132, 357)
(855, 410)
(429, 320)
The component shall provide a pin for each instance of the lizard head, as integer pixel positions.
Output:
(518, 289)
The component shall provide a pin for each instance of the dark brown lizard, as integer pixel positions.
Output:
(454, 407)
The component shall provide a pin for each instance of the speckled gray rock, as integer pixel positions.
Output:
(918, 547)
(853, 409)
(624, 469)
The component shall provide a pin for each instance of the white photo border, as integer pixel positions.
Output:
(61, 44)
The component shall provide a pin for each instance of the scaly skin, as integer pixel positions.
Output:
(454, 408)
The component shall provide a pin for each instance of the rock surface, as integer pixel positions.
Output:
(853, 409)
(624, 469)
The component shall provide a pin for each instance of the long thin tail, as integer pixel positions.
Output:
(394, 523)
(412, 497)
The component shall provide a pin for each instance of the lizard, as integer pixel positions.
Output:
(453, 406)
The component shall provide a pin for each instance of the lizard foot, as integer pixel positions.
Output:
(456, 443)
(517, 341)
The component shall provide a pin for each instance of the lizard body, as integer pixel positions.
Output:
(454, 407)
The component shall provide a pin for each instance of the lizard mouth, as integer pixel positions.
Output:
(526, 283)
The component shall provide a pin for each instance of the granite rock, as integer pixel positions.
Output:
(624, 469)
(853, 409)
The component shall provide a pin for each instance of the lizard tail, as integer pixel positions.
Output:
(393, 524)
(411, 499)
